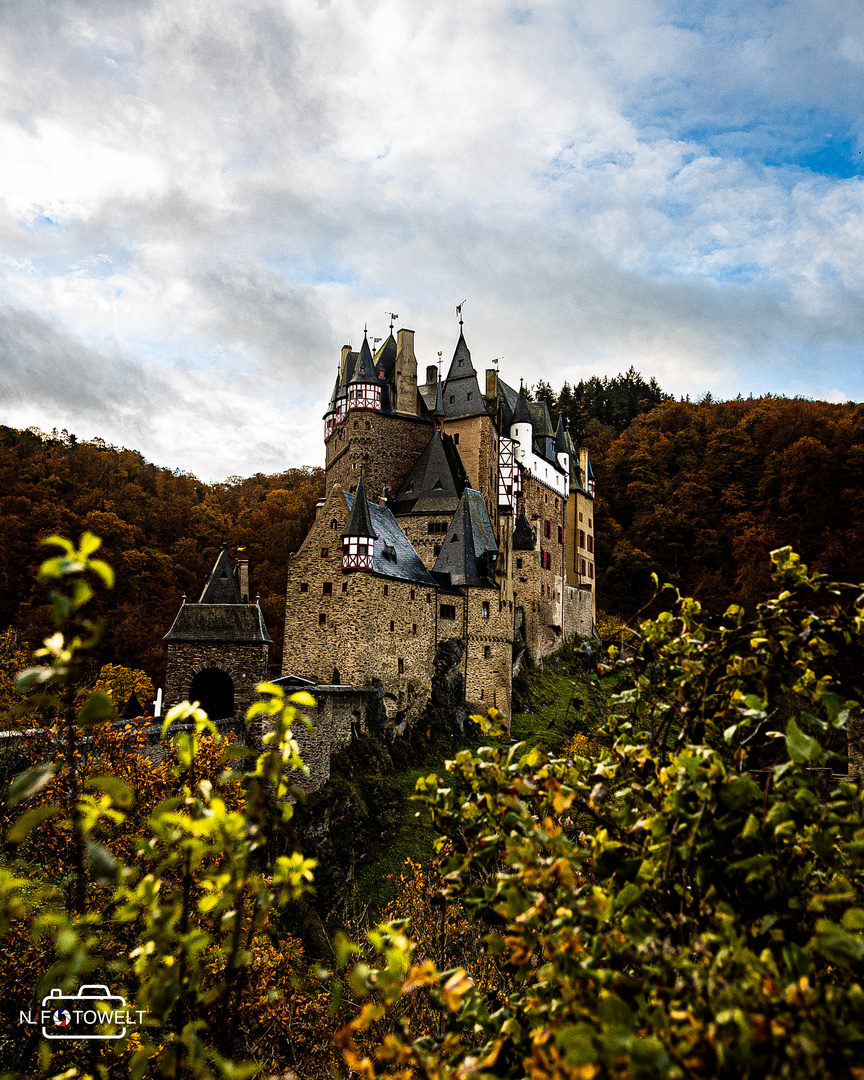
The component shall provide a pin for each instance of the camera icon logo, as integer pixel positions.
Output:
(93, 1013)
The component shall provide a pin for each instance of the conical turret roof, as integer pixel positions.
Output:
(385, 358)
(561, 439)
(521, 414)
(461, 393)
(364, 370)
(359, 521)
(523, 534)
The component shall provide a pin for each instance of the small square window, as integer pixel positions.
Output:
(428, 597)
(456, 438)
(412, 594)
(487, 652)
(580, 517)
(304, 586)
(414, 628)
(401, 666)
(452, 398)
(518, 564)
(322, 619)
(368, 425)
(436, 550)
(386, 590)
(591, 569)
(327, 589)
(485, 609)
(344, 586)
(469, 396)
(392, 626)
(590, 524)
(325, 552)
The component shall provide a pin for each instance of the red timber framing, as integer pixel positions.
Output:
(509, 482)
(357, 552)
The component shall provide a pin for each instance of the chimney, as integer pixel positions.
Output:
(345, 350)
(405, 374)
(431, 374)
(491, 384)
(243, 579)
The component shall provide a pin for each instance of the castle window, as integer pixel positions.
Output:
(556, 504)
(580, 517)
(547, 529)
(487, 652)
(454, 539)
(356, 425)
(560, 534)
(436, 550)
(437, 486)
(546, 497)
(304, 586)
(414, 629)
(368, 425)
(590, 525)
(428, 597)
(333, 525)
(386, 590)
(482, 692)
(401, 666)
(590, 543)
(469, 397)
(591, 569)
(344, 586)
(448, 611)
(327, 588)
(582, 538)
(456, 438)
(582, 566)
(322, 619)
(518, 564)
(485, 609)
(412, 594)
(392, 626)
(452, 398)
(325, 552)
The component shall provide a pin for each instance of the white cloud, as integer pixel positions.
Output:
(237, 188)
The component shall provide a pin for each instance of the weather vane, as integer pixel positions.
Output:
(459, 310)
(393, 318)
(497, 358)
(439, 365)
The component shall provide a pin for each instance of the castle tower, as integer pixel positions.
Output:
(217, 648)
(358, 539)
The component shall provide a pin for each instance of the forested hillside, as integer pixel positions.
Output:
(698, 492)
(161, 532)
(701, 492)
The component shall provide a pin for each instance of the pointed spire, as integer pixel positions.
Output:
(359, 521)
(365, 368)
(221, 587)
(439, 407)
(461, 365)
(521, 415)
(523, 534)
(561, 439)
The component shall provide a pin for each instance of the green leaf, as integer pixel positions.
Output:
(28, 822)
(577, 1043)
(96, 709)
(103, 865)
(801, 747)
(27, 783)
(627, 897)
(120, 792)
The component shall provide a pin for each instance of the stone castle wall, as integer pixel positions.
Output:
(341, 712)
(372, 627)
(385, 445)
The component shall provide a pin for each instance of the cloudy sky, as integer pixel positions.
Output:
(201, 201)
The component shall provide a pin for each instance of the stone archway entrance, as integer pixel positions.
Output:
(214, 688)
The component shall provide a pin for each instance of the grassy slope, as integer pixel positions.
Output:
(558, 697)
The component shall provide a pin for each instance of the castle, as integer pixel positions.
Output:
(450, 512)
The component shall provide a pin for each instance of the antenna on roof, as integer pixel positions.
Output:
(459, 311)
(393, 318)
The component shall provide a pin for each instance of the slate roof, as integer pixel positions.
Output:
(359, 523)
(436, 483)
(364, 370)
(560, 440)
(221, 586)
(523, 534)
(543, 432)
(462, 386)
(240, 624)
(522, 414)
(575, 468)
(385, 358)
(394, 555)
(469, 552)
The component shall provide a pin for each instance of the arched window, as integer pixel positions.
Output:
(214, 688)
